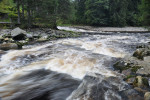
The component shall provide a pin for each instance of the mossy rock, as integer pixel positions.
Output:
(121, 65)
(141, 82)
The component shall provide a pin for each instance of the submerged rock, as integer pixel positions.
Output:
(8, 46)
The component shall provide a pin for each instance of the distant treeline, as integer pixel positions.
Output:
(49, 13)
(113, 12)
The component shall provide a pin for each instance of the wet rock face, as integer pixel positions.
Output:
(45, 85)
(8, 46)
(136, 70)
(99, 88)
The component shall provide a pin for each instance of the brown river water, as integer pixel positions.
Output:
(68, 69)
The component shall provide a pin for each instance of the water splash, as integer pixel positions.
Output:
(84, 63)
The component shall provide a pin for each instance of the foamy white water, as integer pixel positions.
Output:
(72, 58)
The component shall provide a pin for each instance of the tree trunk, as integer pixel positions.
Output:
(22, 2)
(18, 9)
(29, 14)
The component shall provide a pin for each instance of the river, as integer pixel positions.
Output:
(68, 69)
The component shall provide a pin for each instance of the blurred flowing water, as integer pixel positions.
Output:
(68, 69)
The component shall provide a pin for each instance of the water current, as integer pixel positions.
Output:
(68, 69)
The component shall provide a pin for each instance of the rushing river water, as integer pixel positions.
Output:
(68, 69)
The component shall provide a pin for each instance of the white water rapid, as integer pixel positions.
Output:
(72, 69)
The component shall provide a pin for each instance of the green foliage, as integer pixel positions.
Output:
(107, 12)
(97, 12)
(145, 12)
(6, 6)
(80, 6)
(49, 13)
(118, 9)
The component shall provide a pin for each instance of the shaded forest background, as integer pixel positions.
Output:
(50, 13)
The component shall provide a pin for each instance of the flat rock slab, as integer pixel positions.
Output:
(112, 29)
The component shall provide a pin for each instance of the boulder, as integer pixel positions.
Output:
(145, 70)
(8, 46)
(147, 96)
(141, 53)
(18, 34)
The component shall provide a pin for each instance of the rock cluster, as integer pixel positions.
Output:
(16, 38)
(136, 70)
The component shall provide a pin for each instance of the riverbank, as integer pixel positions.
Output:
(136, 70)
(111, 29)
(16, 38)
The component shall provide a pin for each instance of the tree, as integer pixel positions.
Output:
(117, 12)
(97, 12)
(144, 8)
(80, 14)
(63, 9)
(132, 12)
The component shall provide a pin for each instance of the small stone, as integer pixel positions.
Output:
(147, 96)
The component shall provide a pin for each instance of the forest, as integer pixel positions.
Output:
(74, 49)
(50, 13)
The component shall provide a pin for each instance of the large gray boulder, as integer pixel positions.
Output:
(8, 46)
(18, 34)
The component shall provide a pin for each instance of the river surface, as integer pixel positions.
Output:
(68, 69)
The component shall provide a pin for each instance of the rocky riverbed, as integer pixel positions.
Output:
(136, 70)
(16, 38)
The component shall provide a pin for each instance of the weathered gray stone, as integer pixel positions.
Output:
(17, 31)
(18, 34)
